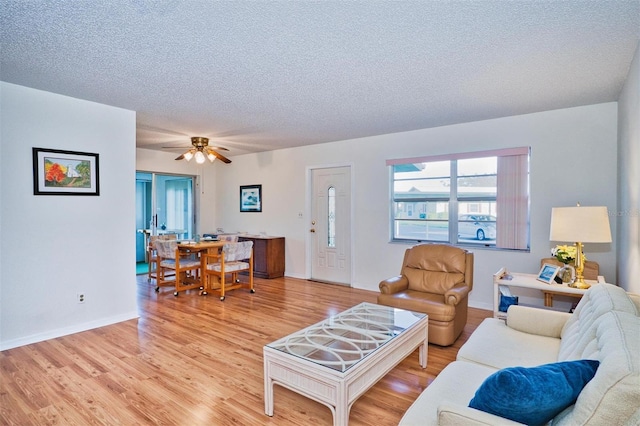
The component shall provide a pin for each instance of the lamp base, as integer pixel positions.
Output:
(580, 283)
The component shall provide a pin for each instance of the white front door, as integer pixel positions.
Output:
(330, 225)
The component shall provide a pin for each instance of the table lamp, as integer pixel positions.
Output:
(580, 225)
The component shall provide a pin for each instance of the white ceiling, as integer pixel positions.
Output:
(263, 75)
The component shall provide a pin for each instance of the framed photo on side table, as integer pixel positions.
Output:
(58, 172)
(251, 198)
(547, 273)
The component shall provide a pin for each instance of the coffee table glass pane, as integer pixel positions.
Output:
(342, 340)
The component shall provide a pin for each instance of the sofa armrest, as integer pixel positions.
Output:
(455, 415)
(635, 298)
(542, 322)
(394, 285)
(455, 294)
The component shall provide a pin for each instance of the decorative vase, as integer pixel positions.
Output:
(568, 274)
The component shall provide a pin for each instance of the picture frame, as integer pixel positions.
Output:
(547, 273)
(251, 198)
(60, 172)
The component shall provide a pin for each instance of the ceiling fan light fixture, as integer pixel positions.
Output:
(200, 158)
(199, 141)
(202, 152)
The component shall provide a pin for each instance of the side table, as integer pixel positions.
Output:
(530, 281)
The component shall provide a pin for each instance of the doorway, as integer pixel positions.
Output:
(164, 205)
(330, 227)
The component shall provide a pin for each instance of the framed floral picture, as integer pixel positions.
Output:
(58, 172)
(251, 198)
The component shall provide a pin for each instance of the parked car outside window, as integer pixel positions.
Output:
(478, 226)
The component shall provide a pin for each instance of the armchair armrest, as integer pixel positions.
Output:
(455, 415)
(542, 322)
(394, 285)
(456, 293)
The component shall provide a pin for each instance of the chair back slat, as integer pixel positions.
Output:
(154, 238)
(237, 251)
(166, 248)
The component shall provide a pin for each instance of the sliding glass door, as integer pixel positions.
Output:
(164, 205)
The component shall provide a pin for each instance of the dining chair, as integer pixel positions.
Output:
(232, 259)
(183, 263)
(152, 254)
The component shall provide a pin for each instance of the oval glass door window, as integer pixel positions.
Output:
(331, 217)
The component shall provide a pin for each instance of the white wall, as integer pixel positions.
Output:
(628, 213)
(53, 247)
(573, 160)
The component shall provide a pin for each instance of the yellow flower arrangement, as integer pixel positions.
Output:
(565, 254)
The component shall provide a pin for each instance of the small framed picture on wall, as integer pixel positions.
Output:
(251, 198)
(58, 172)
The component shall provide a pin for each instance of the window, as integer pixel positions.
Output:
(479, 198)
(331, 217)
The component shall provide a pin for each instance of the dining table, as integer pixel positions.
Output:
(199, 248)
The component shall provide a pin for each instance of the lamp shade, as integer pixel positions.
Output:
(580, 224)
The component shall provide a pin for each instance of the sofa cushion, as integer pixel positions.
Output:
(534, 395)
(456, 384)
(498, 346)
(530, 320)
(578, 332)
(613, 396)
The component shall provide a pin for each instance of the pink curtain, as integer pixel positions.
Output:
(512, 202)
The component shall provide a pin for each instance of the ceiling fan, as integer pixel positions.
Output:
(201, 151)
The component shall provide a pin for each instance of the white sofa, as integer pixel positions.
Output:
(605, 326)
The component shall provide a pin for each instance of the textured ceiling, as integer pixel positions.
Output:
(263, 75)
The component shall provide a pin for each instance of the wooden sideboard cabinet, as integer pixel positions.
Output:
(268, 255)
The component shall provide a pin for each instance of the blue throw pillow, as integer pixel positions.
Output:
(536, 395)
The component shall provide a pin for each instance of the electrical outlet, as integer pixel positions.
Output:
(300, 215)
(81, 297)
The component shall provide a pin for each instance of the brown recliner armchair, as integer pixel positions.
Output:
(435, 279)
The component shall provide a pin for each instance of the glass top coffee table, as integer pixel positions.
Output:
(337, 360)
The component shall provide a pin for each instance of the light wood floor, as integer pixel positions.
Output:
(194, 360)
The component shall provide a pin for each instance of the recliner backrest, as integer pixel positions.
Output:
(436, 268)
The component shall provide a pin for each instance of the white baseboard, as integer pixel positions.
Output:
(76, 328)
(481, 305)
(300, 277)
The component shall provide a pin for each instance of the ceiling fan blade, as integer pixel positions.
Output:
(219, 156)
(180, 157)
